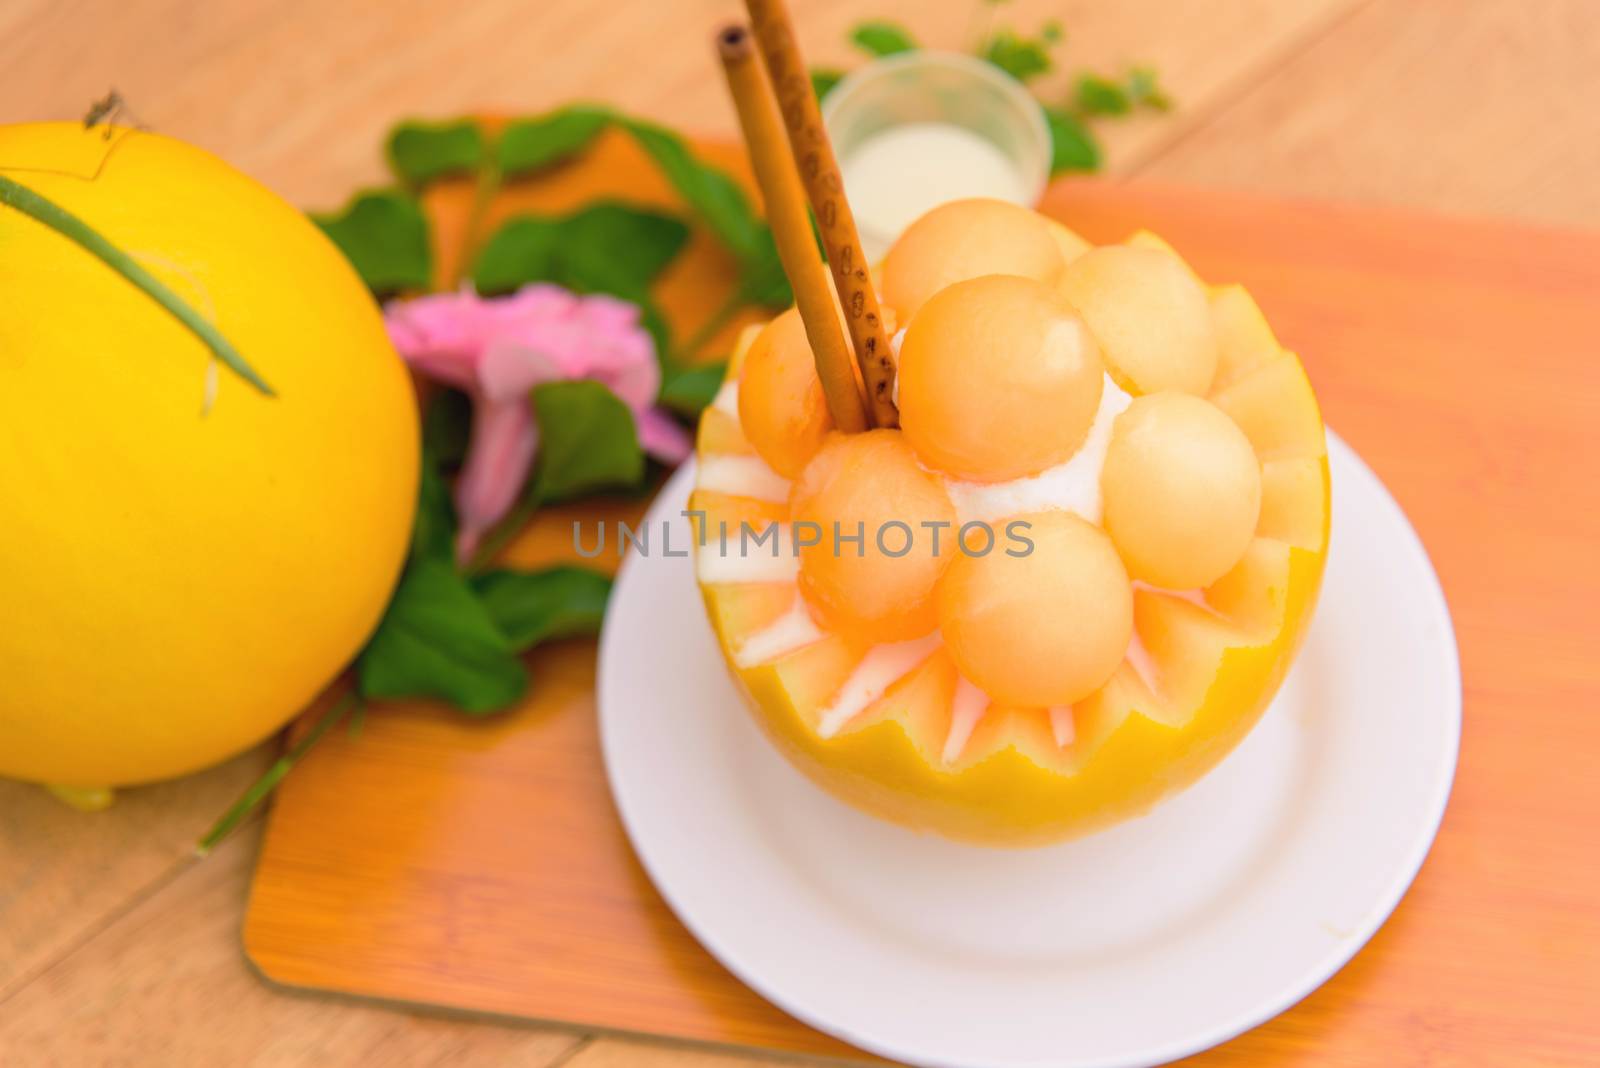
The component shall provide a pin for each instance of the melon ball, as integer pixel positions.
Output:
(1150, 315)
(879, 585)
(1039, 627)
(782, 408)
(965, 239)
(999, 378)
(1182, 490)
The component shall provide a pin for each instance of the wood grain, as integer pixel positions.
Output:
(569, 929)
(165, 986)
(1486, 107)
(300, 93)
(63, 872)
(399, 864)
(626, 1053)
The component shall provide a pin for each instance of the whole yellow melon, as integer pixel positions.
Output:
(185, 561)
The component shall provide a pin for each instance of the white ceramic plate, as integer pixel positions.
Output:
(1141, 944)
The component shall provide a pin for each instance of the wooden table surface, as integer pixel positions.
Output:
(115, 946)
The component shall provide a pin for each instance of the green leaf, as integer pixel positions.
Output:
(717, 199)
(529, 144)
(419, 152)
(433, 531)
(763, 280)
(1145, 91)
(689, 390)
(447, 426)
(525, 249)
(655, 324)
(1072, 146)
(587, 442)
(603, 248)
(613, 248)
(712, 193)
(1051, 32)
(384, 235)
(823, 79)
(1021, 57)
(1101, 96)
(882, 38)
(530, 607)
(438, 640)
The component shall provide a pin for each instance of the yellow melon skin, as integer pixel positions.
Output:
(1011, 798)
(177, 582)
(1013, 784)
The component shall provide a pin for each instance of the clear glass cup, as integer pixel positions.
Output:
(950, 90)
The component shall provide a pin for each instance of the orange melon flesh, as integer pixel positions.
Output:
(1150, 314)
(998, 379)
(930, 750)
(1046, 628)
(1182, 490)
(781, 407)
(967, 239)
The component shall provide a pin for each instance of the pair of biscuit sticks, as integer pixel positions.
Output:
(795, 168)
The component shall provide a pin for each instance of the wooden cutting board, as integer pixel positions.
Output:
(479, 865)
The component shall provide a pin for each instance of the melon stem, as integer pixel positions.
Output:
(83, 798)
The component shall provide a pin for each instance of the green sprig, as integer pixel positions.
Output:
(384, 235)
(882, 38)
(74, 229)
(1026, 58)
(269, 781)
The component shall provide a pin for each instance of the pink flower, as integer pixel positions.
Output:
(497, 349)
